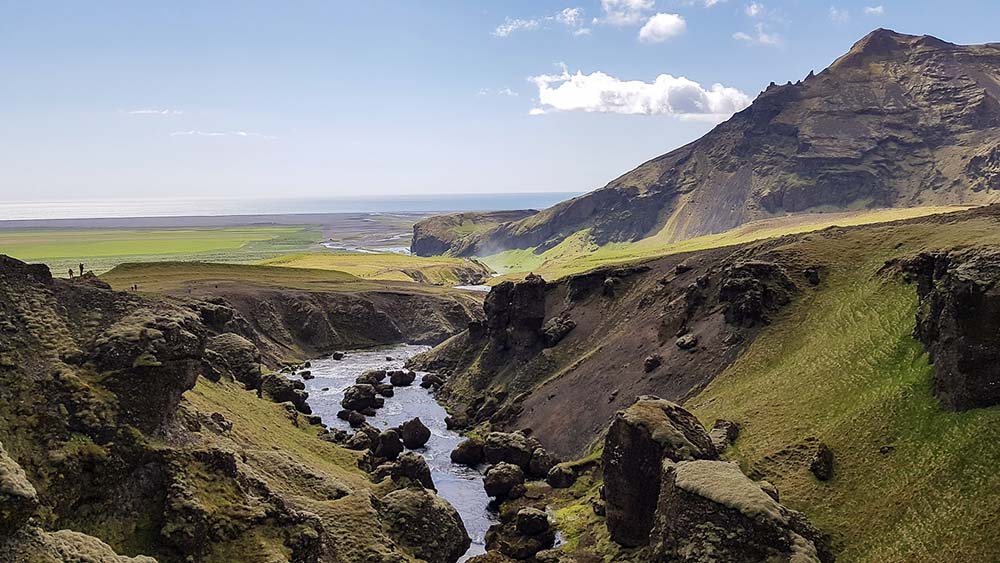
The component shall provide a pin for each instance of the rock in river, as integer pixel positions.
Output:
(426, 524)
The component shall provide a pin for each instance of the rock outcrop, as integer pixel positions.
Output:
(640, 438)
(710, 511)
(426, 524)
(958, 321)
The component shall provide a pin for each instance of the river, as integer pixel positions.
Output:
(460, 485)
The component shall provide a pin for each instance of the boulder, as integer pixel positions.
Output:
(710, 511)
(236, 357)
(18, 499)
(337, 356)
(469, 452)
(385, 389)
(408, 470)
(504, 480)
(456, 421)
(640, 438)
(306, 375)
(388, 445)
(371, 377)
(723, 434)
(541, 463)
(283, 390)
(358, 397)
(431, 380)
(531, 521)
(511, 447)
(556, 329)
(425, 524)
(821, 463)
(753, 289)
(561, 477)
(402, 378)
(523, 536)
(652, 362)
(687, 342)
(414, 434)
(354, 418)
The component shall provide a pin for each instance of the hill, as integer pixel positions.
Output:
(818, 338)
(898, 121)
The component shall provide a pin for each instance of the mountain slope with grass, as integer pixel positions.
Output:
(898, 121)
(800, 340)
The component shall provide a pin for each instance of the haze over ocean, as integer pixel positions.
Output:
(195, 207)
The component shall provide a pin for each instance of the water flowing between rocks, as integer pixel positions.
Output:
(461, 486)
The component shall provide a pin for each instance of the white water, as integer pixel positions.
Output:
(460, 485)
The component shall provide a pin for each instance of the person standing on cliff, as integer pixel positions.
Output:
(81, 269)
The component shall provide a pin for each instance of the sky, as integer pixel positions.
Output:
(133, 99)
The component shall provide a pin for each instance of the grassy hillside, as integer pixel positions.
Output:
(102, 249)
(389, 266)
(576, 254)
(843, 367)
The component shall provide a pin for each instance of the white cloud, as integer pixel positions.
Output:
(625, 12)
(510, 25)
(666, 95)
(197, 133)
(874, 10)
(570, 18)
(153, 111)
(838, 15)
(661, 27)
(507, 92)
(760, 36)
(710, 3)
(754, 9)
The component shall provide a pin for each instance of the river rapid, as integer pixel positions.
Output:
(461, 486)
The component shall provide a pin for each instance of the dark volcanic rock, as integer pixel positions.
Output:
(710, 511)
(511, 447)
(821, 464)
(560, 477)
(541, 463)
(523, 536)
(283, 390)
(402, 378)
(237, 357)
(409, 469)
(556, 329)
(414, 433)
(388, 445)
(640, 438)
(18, 499)
(504, 480)
(753, 289)
(426, 524)
(469, 452)
(515, 313)
(958, 321)
(358, 397)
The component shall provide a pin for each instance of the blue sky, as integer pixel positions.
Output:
(344, 98)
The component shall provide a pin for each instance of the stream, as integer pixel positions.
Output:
(461, 486)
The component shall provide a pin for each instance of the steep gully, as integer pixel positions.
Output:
(460, 485)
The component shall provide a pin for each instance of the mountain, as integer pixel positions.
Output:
(898, 121)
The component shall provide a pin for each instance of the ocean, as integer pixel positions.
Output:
(215, 207)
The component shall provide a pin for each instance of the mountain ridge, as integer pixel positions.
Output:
(897, 121)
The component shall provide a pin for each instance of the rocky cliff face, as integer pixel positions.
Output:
(898, 121)
(110, 434)
(959, 323)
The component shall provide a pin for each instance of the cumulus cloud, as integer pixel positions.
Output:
(754, 9)
(874, 10)
(760, 36)
(598, 92)
(625, 12)
(661, 27)
(154, 111)
(838, 15)
(710, 3)
(197, 133)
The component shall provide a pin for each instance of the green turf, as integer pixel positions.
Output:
(102, 249)
(842, 366)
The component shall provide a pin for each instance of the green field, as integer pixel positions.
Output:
(389, 266)
(102, 249)
(577, 254)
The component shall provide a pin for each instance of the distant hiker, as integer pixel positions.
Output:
(71, 273)
(81, 268)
